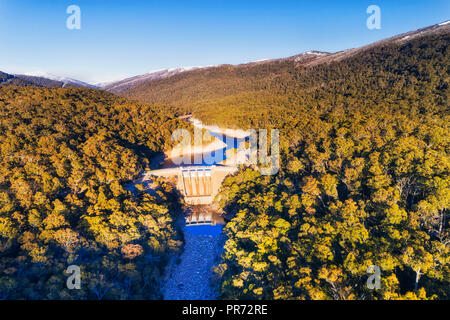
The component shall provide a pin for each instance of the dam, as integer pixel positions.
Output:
(198, 185)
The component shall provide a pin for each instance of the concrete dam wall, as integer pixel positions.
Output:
(198, 184)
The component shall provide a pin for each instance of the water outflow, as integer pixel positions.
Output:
(193, 277)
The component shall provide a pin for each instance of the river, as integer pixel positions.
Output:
(190, 276)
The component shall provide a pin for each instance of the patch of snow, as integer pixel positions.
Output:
(183, 69)
(102, 84)
(317, 53)
(65, 80)
(152, 75)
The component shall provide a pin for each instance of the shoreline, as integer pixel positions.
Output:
(189, 151)
(235, 133)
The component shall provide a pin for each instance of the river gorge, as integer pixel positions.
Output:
(190, 275)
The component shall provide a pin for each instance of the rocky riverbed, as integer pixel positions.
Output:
(191, 277)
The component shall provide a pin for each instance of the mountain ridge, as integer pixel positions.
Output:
(124, 84)
(222, 95)
(309, 58)
(127, 85)
(48, 81)
(65, 81)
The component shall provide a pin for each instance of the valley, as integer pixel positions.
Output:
(96, 179)
(190, 276)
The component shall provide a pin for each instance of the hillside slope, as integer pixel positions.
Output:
(124, 85)
(64, 157)
(364, 178)
(11, 80)
(365, 170)
(40, 81)
(227, 94)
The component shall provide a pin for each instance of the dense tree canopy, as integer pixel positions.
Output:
(65, 155)
(364, 181)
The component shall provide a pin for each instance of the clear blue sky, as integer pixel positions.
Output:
(125, 38)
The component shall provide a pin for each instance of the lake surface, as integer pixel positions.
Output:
(216, 157)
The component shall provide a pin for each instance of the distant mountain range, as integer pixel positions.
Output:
(141, 86)
(44, 80)
(192, 89)
(63, 81)
(128, 83)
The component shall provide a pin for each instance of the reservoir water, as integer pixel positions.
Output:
(191, 277)
(217, 152)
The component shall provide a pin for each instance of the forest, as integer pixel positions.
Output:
(65, 157)
(364, 180)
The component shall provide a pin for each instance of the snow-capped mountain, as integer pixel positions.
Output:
(309, 58)
(66, 81)
(41, 80)
(123, 85)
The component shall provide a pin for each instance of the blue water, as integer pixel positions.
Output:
(217, 156)
(231, 142)
(204, 230)
(213, 157)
